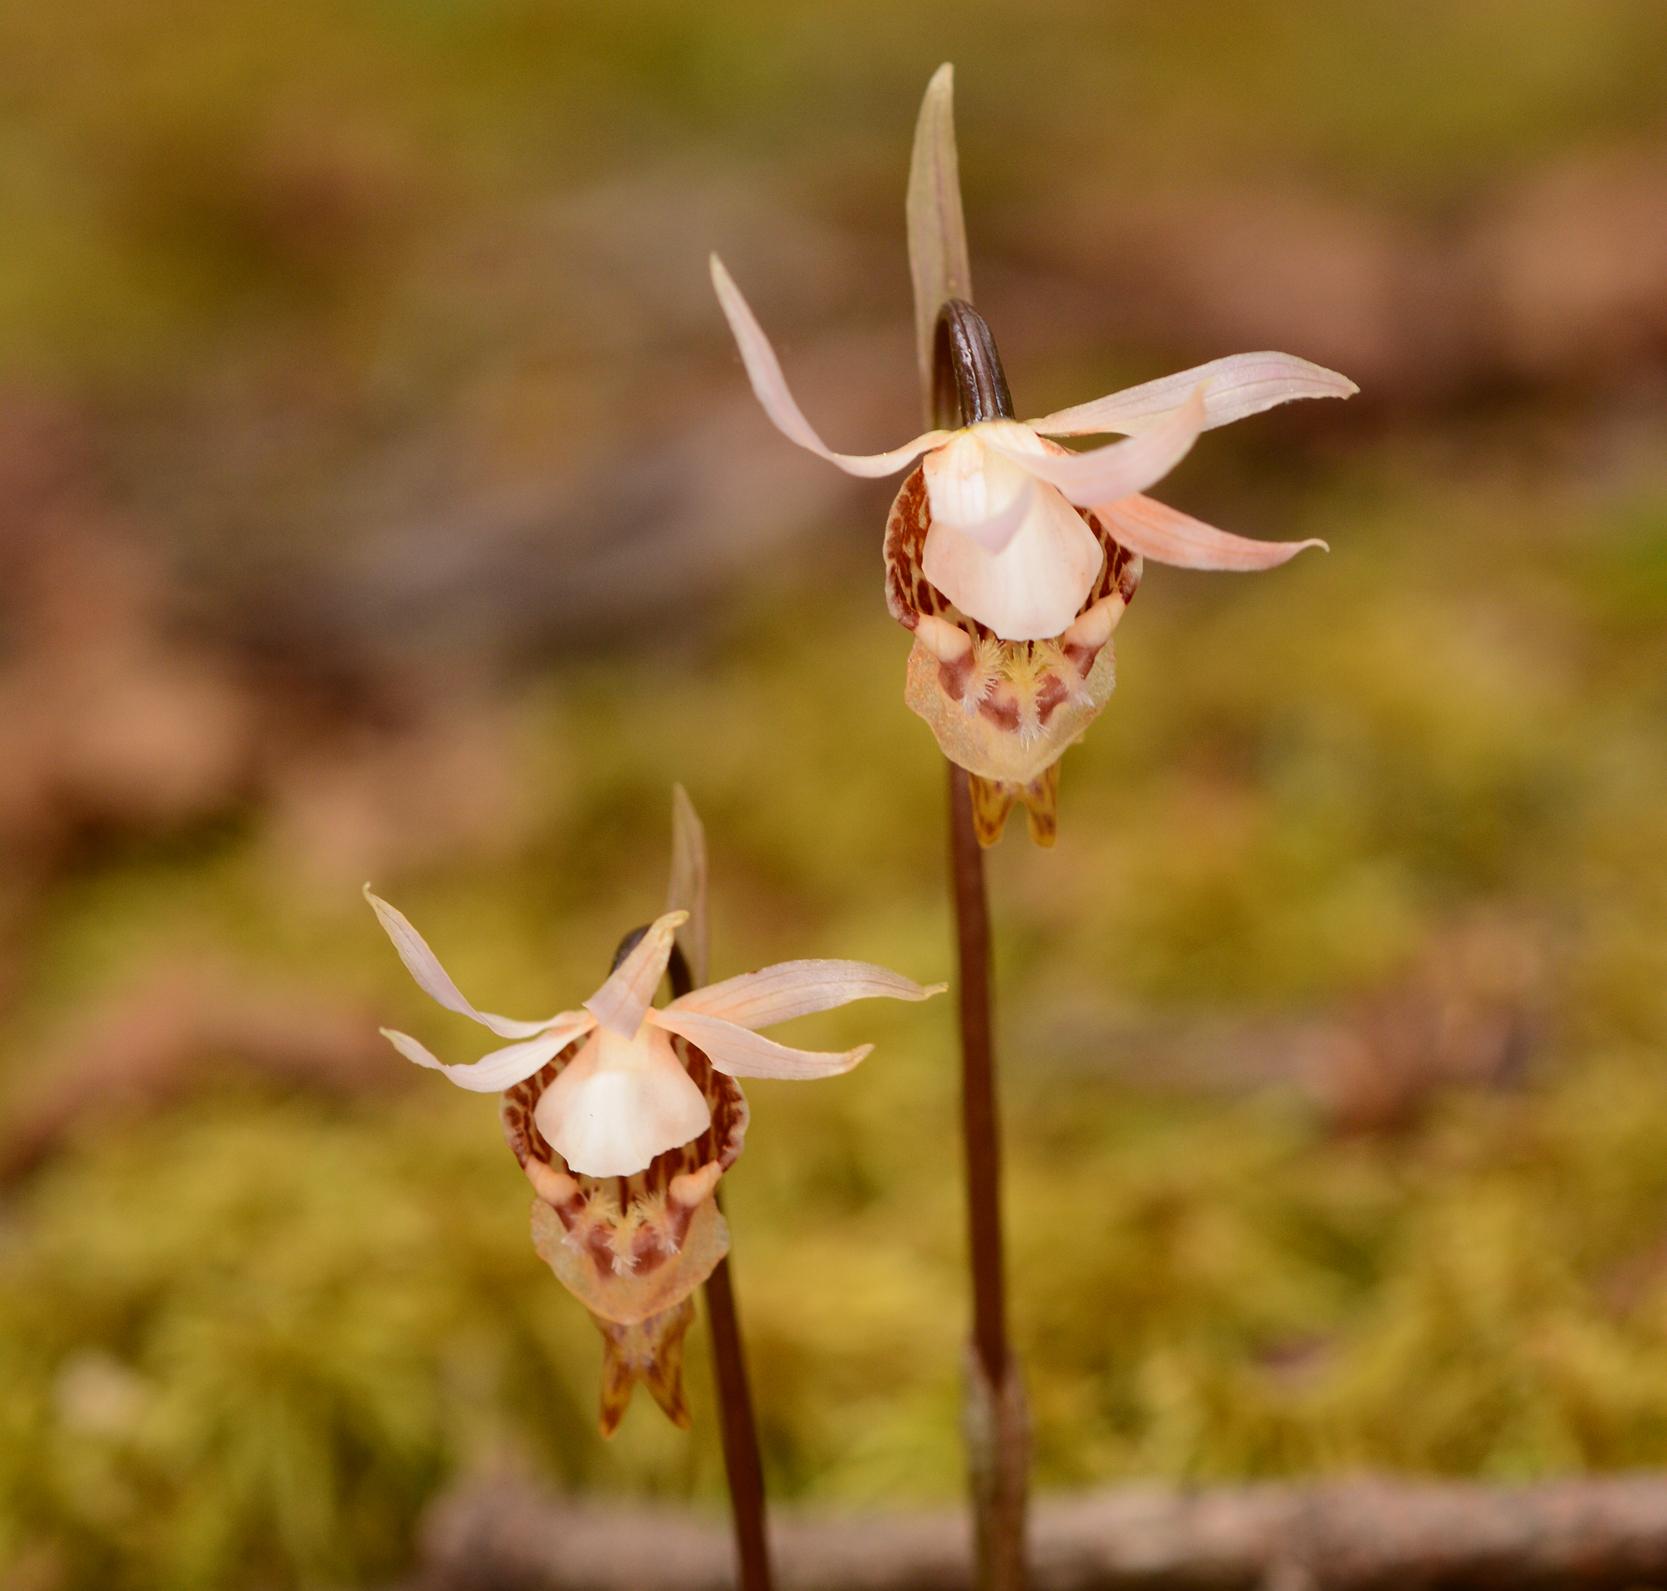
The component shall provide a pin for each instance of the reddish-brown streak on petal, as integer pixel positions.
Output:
(1002, 711)
(1049, 695)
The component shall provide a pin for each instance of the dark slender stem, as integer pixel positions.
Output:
(980, 1125)
(969, 385)
(740, 1434)
(742, 1464)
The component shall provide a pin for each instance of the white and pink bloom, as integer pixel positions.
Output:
(624, 1115)
(1008, 545)
(1019, 555)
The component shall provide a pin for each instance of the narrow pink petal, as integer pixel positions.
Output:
(1033, 588)
(504, 1068)
(770, 387)
(433, 979)
(1167, 535)
(738, 1052)
(687, 889)
(800, 988)
(619, 1005)
(938, 260)
(1119, 468)
(1236, 387)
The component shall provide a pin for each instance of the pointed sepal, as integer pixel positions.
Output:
(938, 262)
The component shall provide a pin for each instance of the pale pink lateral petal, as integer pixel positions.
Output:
(1235, 388)
(687, 888)
(620, 1003)
(433, 979)
(800, 988)
(1033, 588)
(770, 387)
(1118, 469)
(500, 1069)
(417, 1053)
(938, 261)
(1167, 535)
(739, 1052)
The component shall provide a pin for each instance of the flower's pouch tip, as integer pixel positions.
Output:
(648, 1351)
(1041, 803)
(994, 799)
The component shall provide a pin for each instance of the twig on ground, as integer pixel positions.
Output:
(1370, 1534)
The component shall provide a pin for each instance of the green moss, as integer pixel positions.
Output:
(259, 1331)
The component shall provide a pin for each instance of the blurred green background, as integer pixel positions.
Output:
(382, 498)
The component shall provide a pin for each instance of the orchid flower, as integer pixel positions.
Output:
(1009, 557)
(624, 1116)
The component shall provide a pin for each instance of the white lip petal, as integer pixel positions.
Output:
(620, 1102)
(770, 387)
(739, 1052)
(620, 1003)
(1033, 588)
(1165, 534)
(798, 988)
(1238, 386)
(504, 1068)
(686, 890)
(1118, 469)
(938, 261)
(977, 489)
(433, 979)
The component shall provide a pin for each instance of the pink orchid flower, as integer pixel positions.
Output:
(1015, 557)
(624, 1116)
(1008, 546)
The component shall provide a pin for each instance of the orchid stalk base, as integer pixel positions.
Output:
(997, 1425)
